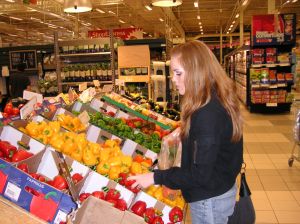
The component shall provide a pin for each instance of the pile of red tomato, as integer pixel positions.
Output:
(11, 111)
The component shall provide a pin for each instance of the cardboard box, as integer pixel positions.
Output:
(132, 148)
(12, 135)
(95, 182)
(101, 106)
(96, 134)
(98, 211)
(152, 202)
(4, 172)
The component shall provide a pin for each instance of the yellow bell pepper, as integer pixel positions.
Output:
(48, 131)
(57, 142)
(136, 168)
(110, 143)
(32, 129)
(114, 172)
(104, 155)
(23, 130)
(126, 160)
(42, 138)
(95, 148)
(103, 168)
(116, 150)
(55, 126)
(115, 161)
(179, 201)
(68, 147)
(88, 157)
(124, 169)
(158, 194)
(77, 155)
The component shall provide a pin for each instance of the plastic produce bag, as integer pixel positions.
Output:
(297, 126)
(170, 156)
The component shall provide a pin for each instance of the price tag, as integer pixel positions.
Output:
(12, 191)
(27, 95)
(96, 83)
(82, 86)
(120, 82)
(84, 118)
(1, 115)
(107, 88)
(271, 104)
(28, 108)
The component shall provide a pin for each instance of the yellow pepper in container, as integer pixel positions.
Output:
(103, 168)
(55, 126)
(57, 142)
(126, 160)
(88, 157)
(114, 172)
(77, 155)
(136, 168)
(68, 147)
(115, 161)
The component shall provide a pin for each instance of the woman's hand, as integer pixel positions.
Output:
(143, 180)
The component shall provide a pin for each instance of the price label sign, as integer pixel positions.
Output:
(84, 118)
(27, 95)
(107, 88)
(82, 86)
(96, 83)
(28, 108)
(120, 82)
(271, 104)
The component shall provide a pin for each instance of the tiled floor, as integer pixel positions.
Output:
(268, 141)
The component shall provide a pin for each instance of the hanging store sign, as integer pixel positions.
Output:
(122, 33)
(273, 29)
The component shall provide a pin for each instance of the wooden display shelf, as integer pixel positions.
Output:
(135, 78)
(89, 83)
(270, 65)
(85, 54)
(11, 213)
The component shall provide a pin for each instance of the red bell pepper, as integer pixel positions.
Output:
(157, 220)
(122, 178)
(1, 154)
(7, 149)
(121, 204)
(112, 201)
(112, 194)
(23, 167)
(99, 194)
(176, 214)
(139, 208)
(128, 185)
(60, 183)
(42, 205)
(76, 177)
(3, 178)
(83, 196)
(20, 155)
(149, 215)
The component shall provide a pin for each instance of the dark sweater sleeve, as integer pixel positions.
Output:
(206, 145)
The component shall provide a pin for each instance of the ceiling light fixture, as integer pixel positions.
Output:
(200, 23)
(233, 22)
(111, 12)
(200, 27)
(237, 15)
(121, 21)
(99, 10)
(196, 4)
(77, 6)
(148, 7)
(15, 18)
(245, 2)
(294, 1)
(10, 0)
(166, 3)
(160, 19)
(198, 17)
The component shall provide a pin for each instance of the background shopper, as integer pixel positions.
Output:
(211, 134)
(19, 82)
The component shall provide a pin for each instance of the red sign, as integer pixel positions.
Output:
(124, 33)
(273, 29)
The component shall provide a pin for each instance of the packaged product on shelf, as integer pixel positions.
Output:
(273, 92)
(280, 78)
(272, 76)
(271, 51)
(258, 60)
(255, 75)
(264, 76)
(289, 97)
(271, 59)
(91, 48)
(289, 77)
(283, 58)
(258, 52)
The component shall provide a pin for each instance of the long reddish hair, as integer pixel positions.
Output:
(203, 74)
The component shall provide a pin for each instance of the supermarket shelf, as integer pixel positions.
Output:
(269, 86)
(89, 83)
(270, 65)
(85, 54)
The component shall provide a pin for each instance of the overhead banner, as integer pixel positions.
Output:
(122, 33)
(273, 29)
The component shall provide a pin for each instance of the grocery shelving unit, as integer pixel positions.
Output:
(134, 64)
(85, 52)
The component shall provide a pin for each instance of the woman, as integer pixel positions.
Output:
(211, 133)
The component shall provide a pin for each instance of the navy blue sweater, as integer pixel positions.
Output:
(210, 161)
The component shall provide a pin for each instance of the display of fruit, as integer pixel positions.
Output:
(11, 111)
(70, 123)
(110, 195)
(118, 127)
(10, 153)
(167, 196)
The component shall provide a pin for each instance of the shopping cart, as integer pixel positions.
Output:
(296, 130)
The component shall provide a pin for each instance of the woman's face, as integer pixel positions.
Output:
(178, 75)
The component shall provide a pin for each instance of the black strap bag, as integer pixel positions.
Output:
(244, 212)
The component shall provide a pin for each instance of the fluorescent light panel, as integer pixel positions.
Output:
(111, 12)
(148, 7)
(160, 19)
(198, 17)
(16, 18)
(121, 21)
(196, 4)
(99, 10)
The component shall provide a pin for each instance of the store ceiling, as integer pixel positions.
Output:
(22, 24)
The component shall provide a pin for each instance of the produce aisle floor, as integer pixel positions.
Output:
(275, 187)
